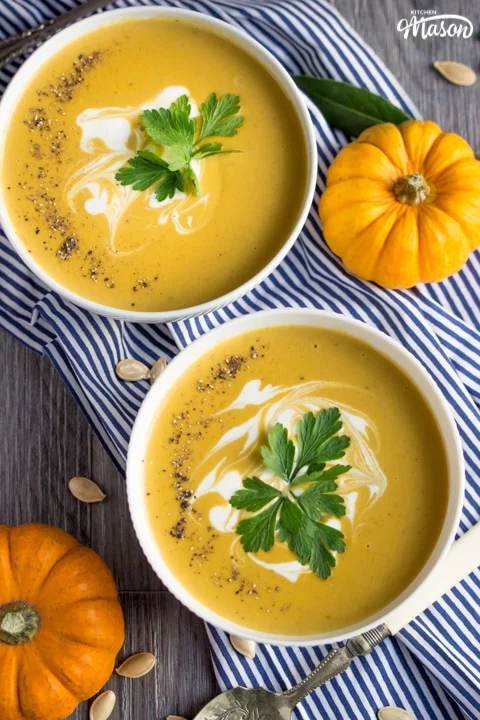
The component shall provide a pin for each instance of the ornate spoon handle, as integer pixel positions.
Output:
(16, 45)
(336, 662)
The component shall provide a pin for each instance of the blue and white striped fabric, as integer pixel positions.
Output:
(433, 667)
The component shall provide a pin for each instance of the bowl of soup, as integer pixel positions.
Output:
(294, 476)
(216, 195)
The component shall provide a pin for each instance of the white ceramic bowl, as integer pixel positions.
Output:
(237, 37)
(312, 318)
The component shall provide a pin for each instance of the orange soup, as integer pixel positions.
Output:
(80, 121)
(390, 482)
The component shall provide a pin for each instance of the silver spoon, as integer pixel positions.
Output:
(12, 47)
(260, 704)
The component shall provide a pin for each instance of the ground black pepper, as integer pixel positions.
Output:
(47, 144)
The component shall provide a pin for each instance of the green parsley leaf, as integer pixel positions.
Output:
(179, 157)
(173, 126)
(321, 475)
(315, 467)
(331, 473)
(333, 449)
(318, 500)
(167, 186)
(290, 516)
(316, 443)
(321, 560)
(298, 541)
(297, 518)
(325, 486)
(254, 495)
(314, 544)
(278, 455)
(331, 537)
(146, 169)
(191, 176)
(210, 149)
(321, 557)
(258, 532)
(219, 116)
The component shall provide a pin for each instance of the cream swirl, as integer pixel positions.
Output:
(109, 137)
(266, 405)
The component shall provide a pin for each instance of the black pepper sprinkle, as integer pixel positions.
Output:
(48, 141)
(178, 530)
(187, 428)
(67, 248)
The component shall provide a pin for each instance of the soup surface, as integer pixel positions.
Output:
(79, 122)
(207, 439)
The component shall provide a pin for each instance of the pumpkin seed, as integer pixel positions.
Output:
(394, 713)
(102, 706)
(456, 73)
(157, 370)
(131, 370)
(243, 646)
(137, 665)
(86, 490)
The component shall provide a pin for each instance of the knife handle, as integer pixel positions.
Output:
(462, 559)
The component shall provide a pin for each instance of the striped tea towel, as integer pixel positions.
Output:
(433, 666)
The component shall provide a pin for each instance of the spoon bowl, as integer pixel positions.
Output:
(247, 704)
(259, 704)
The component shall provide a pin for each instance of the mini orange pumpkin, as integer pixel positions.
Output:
(402, 204)
(61, 625)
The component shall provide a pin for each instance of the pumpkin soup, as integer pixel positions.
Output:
(113, 206)
(296, 480)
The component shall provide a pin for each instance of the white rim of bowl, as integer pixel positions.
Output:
(21, 80)
(380, 342)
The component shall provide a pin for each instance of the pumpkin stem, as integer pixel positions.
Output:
(412, 189)
(19, 623)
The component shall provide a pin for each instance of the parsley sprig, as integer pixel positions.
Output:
(297, 518)
(173, 128)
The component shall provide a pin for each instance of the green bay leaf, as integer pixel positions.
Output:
(347, 107)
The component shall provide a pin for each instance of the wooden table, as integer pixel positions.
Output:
(45, 439)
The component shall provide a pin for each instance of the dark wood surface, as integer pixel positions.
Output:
(45, 440)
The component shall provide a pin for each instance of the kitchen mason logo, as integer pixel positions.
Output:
(427, 23)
